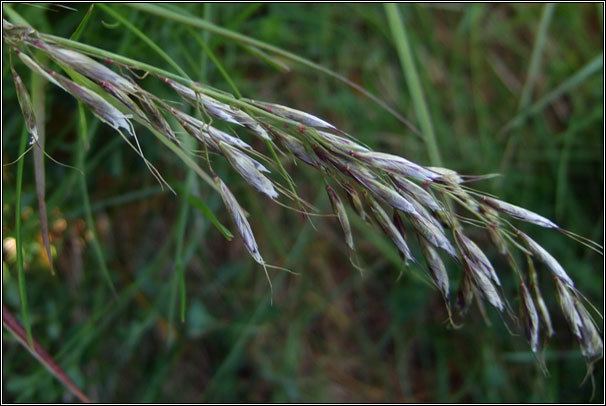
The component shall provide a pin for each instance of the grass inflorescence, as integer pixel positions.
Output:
(429, 213)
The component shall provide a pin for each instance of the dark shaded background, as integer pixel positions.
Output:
(332, 334)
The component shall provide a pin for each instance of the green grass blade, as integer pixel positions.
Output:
(80, 29)
(243, 39)
(19, 241)
(591, 68)
(143, 38)
(535, 59)
(405, 53)
(268, 59)
(38, 352)
(90, 222)
(211, 55)
(203, 208)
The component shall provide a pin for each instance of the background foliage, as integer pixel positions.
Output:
(331, 334)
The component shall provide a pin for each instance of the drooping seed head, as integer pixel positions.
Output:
(465, 294)
(36, 68)
(580, 322)
(356, 202)
(155, 117)
(485, 286)
(431, 230)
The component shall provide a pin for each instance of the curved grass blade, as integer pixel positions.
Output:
(412, 78)
(38, 352)
(199, 205)
(243, 39)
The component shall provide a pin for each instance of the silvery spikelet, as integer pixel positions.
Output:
(339, 209)
(239, 218)
(390, 230)
(519, 212)
(540, 302)
(423, 196)
(247, 168)
(205, 132)
(530, 317)
(476, 256)
(382, 191)
(297, 148)
(27, 109)
(545, 257)
(98, 105)
(87, 66)
(219, 109)
(437, 268)
(398, 165)
(336, 142)
(295, 115)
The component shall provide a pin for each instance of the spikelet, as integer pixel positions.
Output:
(541, 254)
(27, 109)
(295, 115)
(398, 165)
(437, 269)
(390, 230)
(339, 209)
(519, 212)
(530, 317)
(248, 169)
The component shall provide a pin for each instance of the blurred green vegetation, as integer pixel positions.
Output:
(331, 334)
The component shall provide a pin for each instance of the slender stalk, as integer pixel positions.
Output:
(19, 241)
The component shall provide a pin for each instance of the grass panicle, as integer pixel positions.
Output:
(425, 202)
